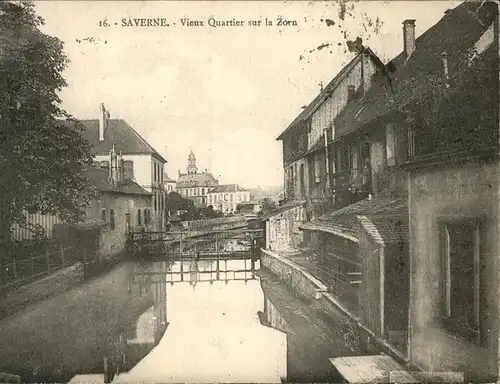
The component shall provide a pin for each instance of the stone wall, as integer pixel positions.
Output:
(294, 275)
(283, 233)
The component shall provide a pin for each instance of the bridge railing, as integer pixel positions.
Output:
(186, 244)
(217, 223)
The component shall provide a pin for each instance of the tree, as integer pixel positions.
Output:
(42, 160)
(209, 212)
(174, 202)
(268, 205)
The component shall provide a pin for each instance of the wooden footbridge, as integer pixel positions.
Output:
(238, 243)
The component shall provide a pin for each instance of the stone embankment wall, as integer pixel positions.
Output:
(306, 285)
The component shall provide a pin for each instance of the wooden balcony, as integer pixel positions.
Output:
(343, 180)
(349, 180)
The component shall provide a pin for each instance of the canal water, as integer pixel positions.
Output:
(214, 320)
(182, 321)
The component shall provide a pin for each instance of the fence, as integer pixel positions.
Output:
(35, 221)
(21, 263)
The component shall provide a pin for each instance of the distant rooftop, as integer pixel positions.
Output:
(228, 188)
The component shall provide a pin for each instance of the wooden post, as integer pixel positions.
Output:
(106, 373)
(181, 247)
(14, 265)
(218, 267)
(47, 257)
(182, 270)
(63, 262)
(217, 243)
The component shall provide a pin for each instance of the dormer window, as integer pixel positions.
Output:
(351, 93)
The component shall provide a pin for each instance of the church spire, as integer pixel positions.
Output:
(192, 169)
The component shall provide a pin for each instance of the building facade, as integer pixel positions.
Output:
(308, 166)
(225, 198)
(121, 207)
(168, 184)
(309, 158)
(428, 131)
(454, 200)
(142, 163)
(195, 185)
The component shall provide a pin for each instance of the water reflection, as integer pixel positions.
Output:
(213, 335)
(212, 320)
(85, 329)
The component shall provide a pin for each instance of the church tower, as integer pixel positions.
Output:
(192, 169)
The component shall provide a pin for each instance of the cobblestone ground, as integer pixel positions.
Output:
(314, 336)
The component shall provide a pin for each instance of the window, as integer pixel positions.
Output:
(411, 141)
(112, 218)
(351, 93)
(128, 223)
(103, 215)
(139, 218)
(460, 277)
(128, 167)
(154, 201)
(346, 157)
(390, 144)
(317, 164)
(147, 217)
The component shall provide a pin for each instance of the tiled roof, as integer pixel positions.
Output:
(196, 180)
(387, 228)
(167, 179)
(99, 178)
(228, 188)
(118, 133)
(344, 222)
(405, 81)
(326, 92)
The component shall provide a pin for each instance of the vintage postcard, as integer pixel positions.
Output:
(249, 191)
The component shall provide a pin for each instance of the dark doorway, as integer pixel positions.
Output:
(302, 182)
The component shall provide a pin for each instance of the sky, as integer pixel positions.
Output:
(225, 93)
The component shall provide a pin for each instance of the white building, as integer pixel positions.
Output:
(225, 198)
(195, 185)
(143, 164)
(169, 184)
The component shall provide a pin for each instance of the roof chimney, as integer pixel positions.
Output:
(113, 167)
(121, 169)
(409, 37)
(103, 117)
(444, 56)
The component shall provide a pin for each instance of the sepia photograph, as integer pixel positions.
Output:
(241, 191)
